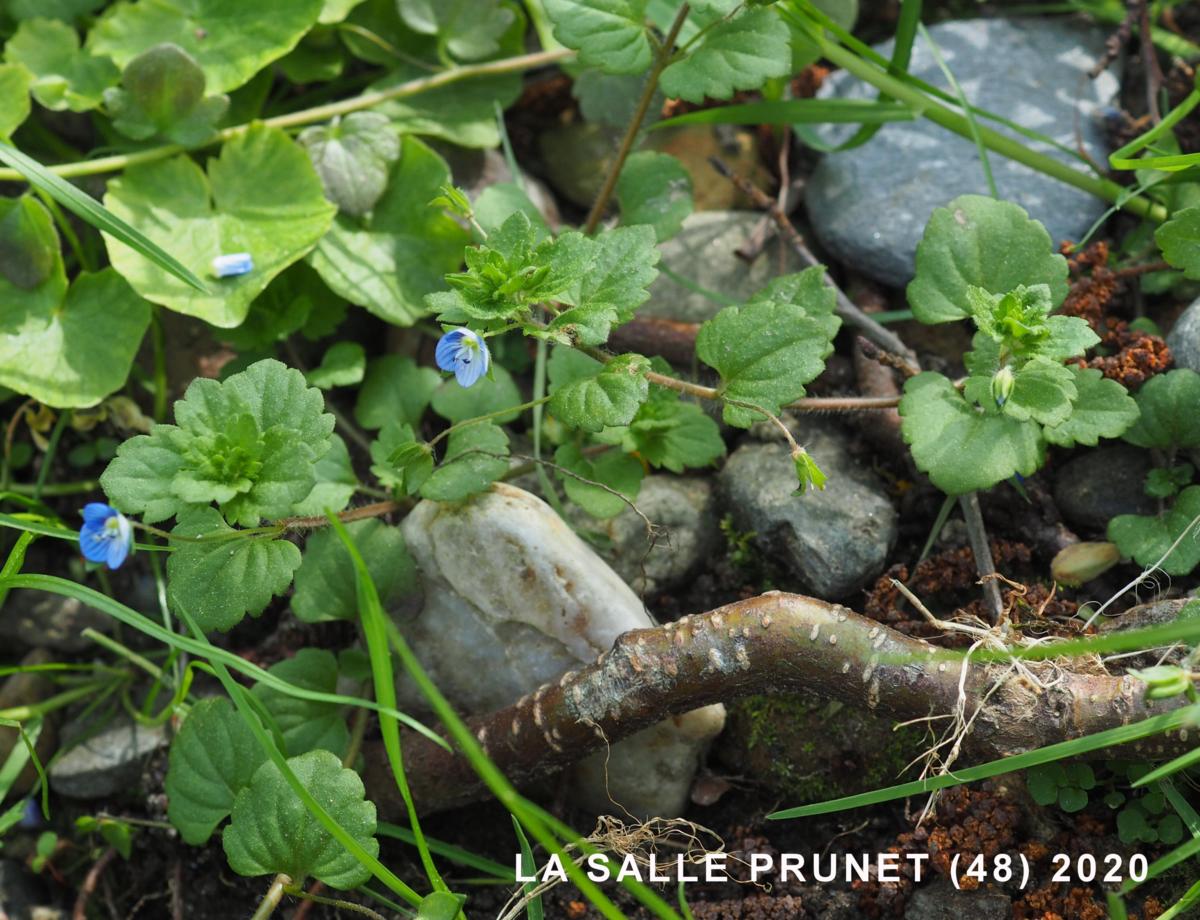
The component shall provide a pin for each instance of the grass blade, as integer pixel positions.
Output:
(1113, 736)
(795, 111)
(534, 909)
(92, 211)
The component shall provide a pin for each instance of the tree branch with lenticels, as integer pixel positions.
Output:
(771, 643)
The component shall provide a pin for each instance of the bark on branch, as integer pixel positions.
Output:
(775, 642)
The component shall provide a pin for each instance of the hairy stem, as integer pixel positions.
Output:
(661, 60)
(773, 643)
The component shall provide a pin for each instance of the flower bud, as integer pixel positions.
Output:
(1082, 562)
(1002, 385)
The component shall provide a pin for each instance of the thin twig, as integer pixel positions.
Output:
(661, 60)
(90, 881)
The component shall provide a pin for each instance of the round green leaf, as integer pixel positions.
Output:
(272, 831)
(15, 80)
(325, 582)
(230, 39)
(1072, 799)
(394, 389)
(213, 758)
(162, 93)
(1148, 538)
(1167, 417)
(739, 53)
(342, 365)
(655, 189)
(475, 458)
(307, 725)
(65, 76)
(980, 241)
(615, 469)
(1179, 240)
(403, 252)
(353, 156)
(963, 448)
(609, 34)
(260, 196)
(66, 348)
(456, 403)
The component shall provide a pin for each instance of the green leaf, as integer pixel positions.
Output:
(1042, 785)
(1165, 483)
(608, 34)
(15, 81)
(272, 831)
(248, 443)
(1102, 409)
(213, 757)
(741, 53)
(655, 189)
(95, 214)
(226, 39)
(766, 350)
(394, 389)
(389, 262)
(440, 905)
(961, 447)
(476, 456)
(496, 203)
(325, 579)
(613, 468)
(979, 241)
(342, 365)
(307, 725)
(463, 112)
(1167, 406)
(162, 95)
(400, 460)
(296, 301)
(1147, 538)
(259, 196)
(336, 482)
(64, 347)
(1042, 390)
(1179, 240)
(468, 29)
(610, 397)
(354, 157)
(1071, 799)
(613, 284)
(668, 432)
(491, 394)
(64, 75)
(222, 578)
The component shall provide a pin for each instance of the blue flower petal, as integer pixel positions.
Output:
(93, 546)
(469, 371)
(447, 349)
(97, 512)
(118, 551)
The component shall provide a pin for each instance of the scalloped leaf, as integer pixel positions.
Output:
(231, 40)
(213, 757)
(272, 831)
(307, 725)
(260, 196)
(979, 241)
(325, 583)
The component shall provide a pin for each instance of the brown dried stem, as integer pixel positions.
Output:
(773, 643)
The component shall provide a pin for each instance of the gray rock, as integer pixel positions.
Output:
(835, 541)
(683, 510)
(941, 901)
(107, 763)
(869, 205)
(1184, 338)
(705, 252)
(513, 599)
(1096, 486)
(49, 621)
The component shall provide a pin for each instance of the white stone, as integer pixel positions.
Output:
(512, 599)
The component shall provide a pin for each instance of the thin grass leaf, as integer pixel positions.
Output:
(92, 211)
(965, 104)
(43, 526)
(19, 756)
(455, 854)
(1124, 159)
(1170, 768)
(796, 111)
(371, 615)
(1180, 907)
(205, 650)
(533, 908)
(1182, 807)
(683, 904)
(1073, 748)
(1181, 853)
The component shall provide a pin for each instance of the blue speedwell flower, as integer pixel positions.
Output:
(464, 352)
(106, 535)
